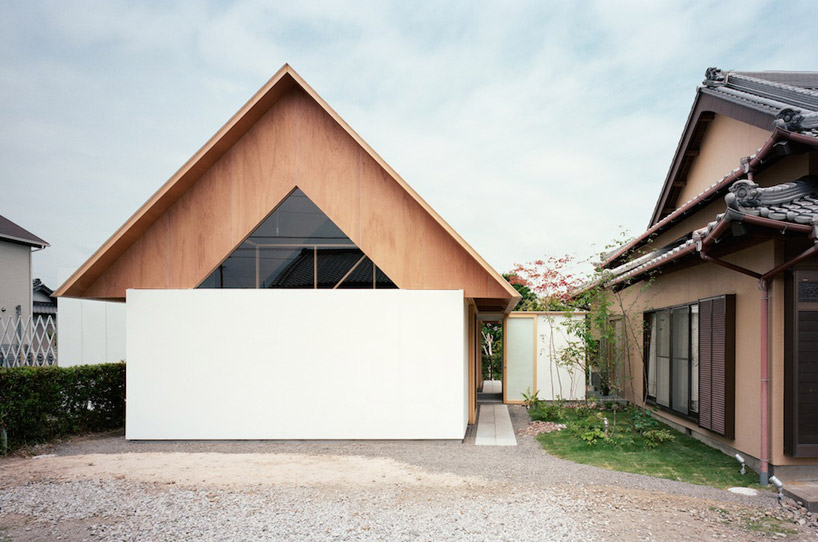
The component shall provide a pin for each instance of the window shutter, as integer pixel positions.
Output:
(717, 364)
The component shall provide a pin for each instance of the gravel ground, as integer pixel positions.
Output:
(107, 488)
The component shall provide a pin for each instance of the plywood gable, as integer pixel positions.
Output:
(296, 142)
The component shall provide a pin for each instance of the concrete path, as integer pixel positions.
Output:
(494, 426)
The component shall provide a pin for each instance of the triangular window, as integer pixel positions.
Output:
(297, 246)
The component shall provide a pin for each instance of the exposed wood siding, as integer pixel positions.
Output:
(296, 143)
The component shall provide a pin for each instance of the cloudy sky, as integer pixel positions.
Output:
(533, 128)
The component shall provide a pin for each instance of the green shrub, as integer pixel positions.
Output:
(655, 437)
(546, 413)
(42, 403)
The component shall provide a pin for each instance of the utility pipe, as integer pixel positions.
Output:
(764, 475)
(764, 282)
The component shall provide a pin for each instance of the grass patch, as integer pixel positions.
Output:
(636, 442)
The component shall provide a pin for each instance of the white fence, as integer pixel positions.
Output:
(28, 342)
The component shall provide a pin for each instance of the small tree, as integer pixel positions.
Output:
(492, 350)
(598, 348)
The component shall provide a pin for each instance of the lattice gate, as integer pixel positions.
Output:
(28, 342)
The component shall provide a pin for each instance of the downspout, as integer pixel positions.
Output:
(764, 459)
(764, 282)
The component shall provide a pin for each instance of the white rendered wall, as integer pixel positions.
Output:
(295, 364)
(89, 332)
(557, 379)
(15, 279)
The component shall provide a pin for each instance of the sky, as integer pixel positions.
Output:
(535, 129)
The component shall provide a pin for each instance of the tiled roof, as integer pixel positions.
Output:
(792, 97)
(791, 101)
(794, 202)
(12, 232)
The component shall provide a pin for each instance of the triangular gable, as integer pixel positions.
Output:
(285, 136)
(297, 246)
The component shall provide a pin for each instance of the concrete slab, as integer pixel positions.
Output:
(494, 426)
(492, 386)
(806, 492)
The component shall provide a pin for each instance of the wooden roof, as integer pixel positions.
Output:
(284, 137)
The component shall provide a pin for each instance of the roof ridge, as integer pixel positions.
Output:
(770, 83)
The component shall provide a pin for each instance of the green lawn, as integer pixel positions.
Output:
(627, 447)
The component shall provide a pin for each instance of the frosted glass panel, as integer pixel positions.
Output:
(652, 358)
(663, 381)
(520, 357)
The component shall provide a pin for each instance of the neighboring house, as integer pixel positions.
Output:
(286, 283)
(44, 304)
(21, 341)
(721, 291)
(16, 246)
(44, 319)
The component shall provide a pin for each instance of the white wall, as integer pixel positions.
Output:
(89, 332)
(555, 378)
(301, 364)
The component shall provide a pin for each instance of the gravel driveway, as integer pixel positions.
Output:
(107, 488)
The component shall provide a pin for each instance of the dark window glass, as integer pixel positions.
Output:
(808, 292)
(297, 246)
(672, 360)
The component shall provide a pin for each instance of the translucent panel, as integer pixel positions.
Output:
(520, 353)
(663, 333)
(652, 357)
(297, 246)
(694, 359)
(681, 364)
(663, 381)
(663, 358)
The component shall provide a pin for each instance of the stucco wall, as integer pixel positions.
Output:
(726, 141)
(15, 279)
(305, 364)
(557, 379)
(706, 280)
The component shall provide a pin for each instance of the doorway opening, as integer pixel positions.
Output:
(490, 365)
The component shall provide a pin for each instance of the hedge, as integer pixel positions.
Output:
(42, 403)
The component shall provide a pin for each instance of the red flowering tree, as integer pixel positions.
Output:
(550, 279)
